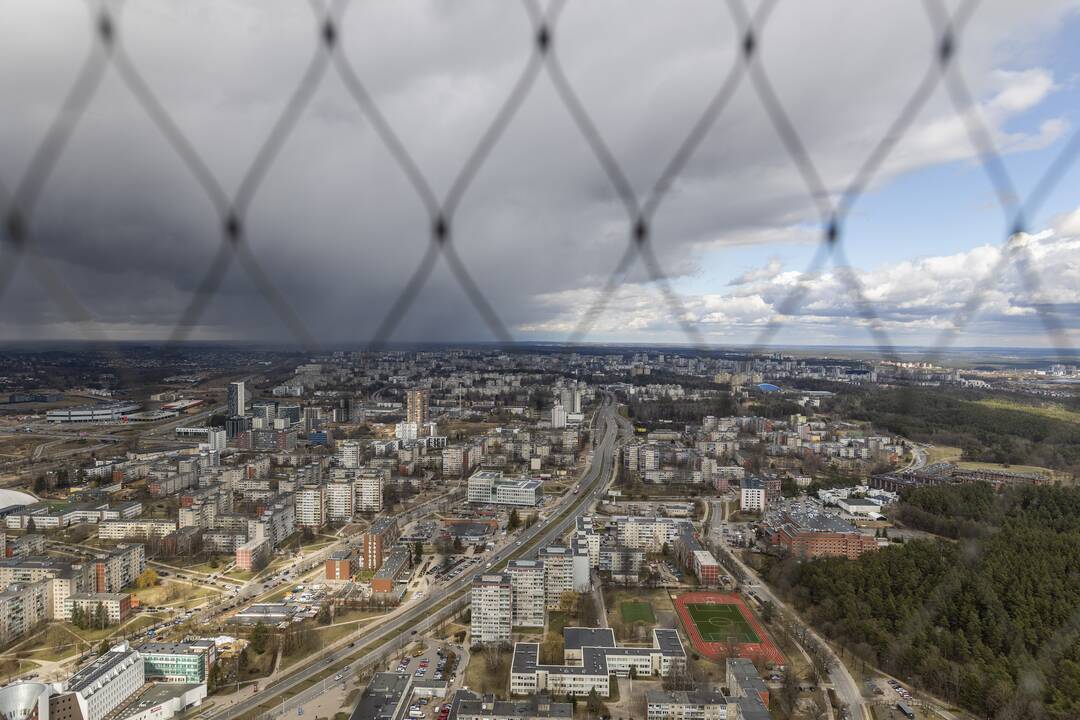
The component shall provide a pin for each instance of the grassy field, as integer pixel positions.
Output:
(55, 642)
(942, 453)
(635, 611)
(481, 677)
(636, 629)
(945, 453)
(344, 624)
(173, 594)
(14, 666)
(1054, 412)
(965, 465)
(205, 567)
(718, 623)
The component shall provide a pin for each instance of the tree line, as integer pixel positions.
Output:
(992, 624)
(984, 433)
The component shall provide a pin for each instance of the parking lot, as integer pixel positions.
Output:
(457, 566)
(431, 663)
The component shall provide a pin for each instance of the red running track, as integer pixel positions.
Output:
(766, 650)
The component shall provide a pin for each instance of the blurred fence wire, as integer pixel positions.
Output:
(20, 202)
(108, 52)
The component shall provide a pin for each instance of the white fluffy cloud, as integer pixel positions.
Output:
(916, 301)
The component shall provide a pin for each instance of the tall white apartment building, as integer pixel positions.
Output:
(276, 523)
(310, 503)
(349, 454)
(565, 570)
(198, 514)
(456, 461)
(558, 416)
(417, 403)
(650, 457)
(752, 495)
(645, 533)
(216, 439)
(453, 461)
(237, 399)
(527, 581)
(406, 431)
(340, 501)
(24, 607)
(571, 399)
(492, 608)
(586, 535)
(368, 488)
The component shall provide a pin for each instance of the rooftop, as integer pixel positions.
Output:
(156, 694)
(687, 697)
(534, 706)
(88, 675)
(382, 696)
(576, 638)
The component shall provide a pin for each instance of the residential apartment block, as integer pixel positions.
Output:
(492, 608)
(527, 582)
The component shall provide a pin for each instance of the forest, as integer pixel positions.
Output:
(992, 624)
(680, 412)
(984, 433)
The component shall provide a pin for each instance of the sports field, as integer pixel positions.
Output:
(721, 623)
(637, 612)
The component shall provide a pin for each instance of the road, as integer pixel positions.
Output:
(847, 689)
(420, 616)
(919, 457)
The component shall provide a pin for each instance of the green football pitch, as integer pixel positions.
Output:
(633, 611)
(719, 623)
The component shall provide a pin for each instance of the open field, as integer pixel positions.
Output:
(1054, 412)
(942, 453)
(211, 565)
(173, 594)
(18, 447)
(342, 625)
(715, 621)
(720, 623)
(965, 465)
(633, 611)
(638, 629)
(488, 674)
(54, 642)
(945, 453)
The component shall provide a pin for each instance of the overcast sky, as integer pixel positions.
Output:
(338, 229)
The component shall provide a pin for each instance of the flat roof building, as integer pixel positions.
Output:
(385, 697)
(490, 487)
(590, 659)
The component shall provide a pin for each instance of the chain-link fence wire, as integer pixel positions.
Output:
(21, 201)
(833, 208)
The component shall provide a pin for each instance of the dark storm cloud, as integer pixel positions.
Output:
(335, 224)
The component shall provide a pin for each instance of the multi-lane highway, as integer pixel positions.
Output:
(420, 616)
